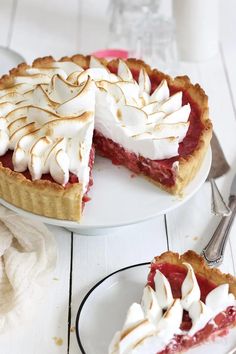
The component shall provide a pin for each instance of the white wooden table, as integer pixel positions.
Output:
(58, 27)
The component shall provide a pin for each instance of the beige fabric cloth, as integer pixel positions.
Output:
(27, 257)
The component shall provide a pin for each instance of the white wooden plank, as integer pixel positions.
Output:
(5, 20)
(44, 28)
(49, 322)
(94, 257)
(227, 41)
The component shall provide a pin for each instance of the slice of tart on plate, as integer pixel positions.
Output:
(184, 304)
(54, 113)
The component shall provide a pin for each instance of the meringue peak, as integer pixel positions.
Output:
(150, 305)
(161, 93)
(144, 82)
(96, 63)
(190, 289)
(124, 71)
(163, 290)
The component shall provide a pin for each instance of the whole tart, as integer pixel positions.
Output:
(55, 114)
(184, 304)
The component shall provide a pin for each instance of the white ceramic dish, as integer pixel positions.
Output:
(103, 310)
(9, 59)
(118, 199)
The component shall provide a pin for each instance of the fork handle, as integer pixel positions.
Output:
(214, 251)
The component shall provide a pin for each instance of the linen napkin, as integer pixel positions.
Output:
(27, 257)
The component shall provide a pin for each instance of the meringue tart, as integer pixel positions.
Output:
(184, 304)
(56, 114)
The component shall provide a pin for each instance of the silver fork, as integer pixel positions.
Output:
(233, 351)
(219, 167)
(214, 250)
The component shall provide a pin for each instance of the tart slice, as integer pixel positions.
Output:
(184, 304)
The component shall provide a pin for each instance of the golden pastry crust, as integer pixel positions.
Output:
(66, 202)
(200, 267)
(41, 197)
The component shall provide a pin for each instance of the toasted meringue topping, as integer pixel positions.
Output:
(34, 79)
(136, 328)
(163, 290)
(59, 167)
(84, 101)
(170, 322)
(148, 330)
(150, 305)
(144, 82)
(190, 289)
(56, 102)
(124, 72)
(95, 63)
(67, 66)
(200, 315)
(220, 298)
(161, 93)
(60, 91)
(135, 315)
(20, 88)
(4, 141)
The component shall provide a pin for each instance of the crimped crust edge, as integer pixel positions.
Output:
(200, 267)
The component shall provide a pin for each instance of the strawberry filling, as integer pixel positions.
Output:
(160, 171)
(223, 321)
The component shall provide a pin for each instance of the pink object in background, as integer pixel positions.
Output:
(111, 53)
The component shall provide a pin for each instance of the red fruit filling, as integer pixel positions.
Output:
(160, 171)
(223, 321)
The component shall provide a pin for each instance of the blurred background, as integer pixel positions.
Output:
(146, 28)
